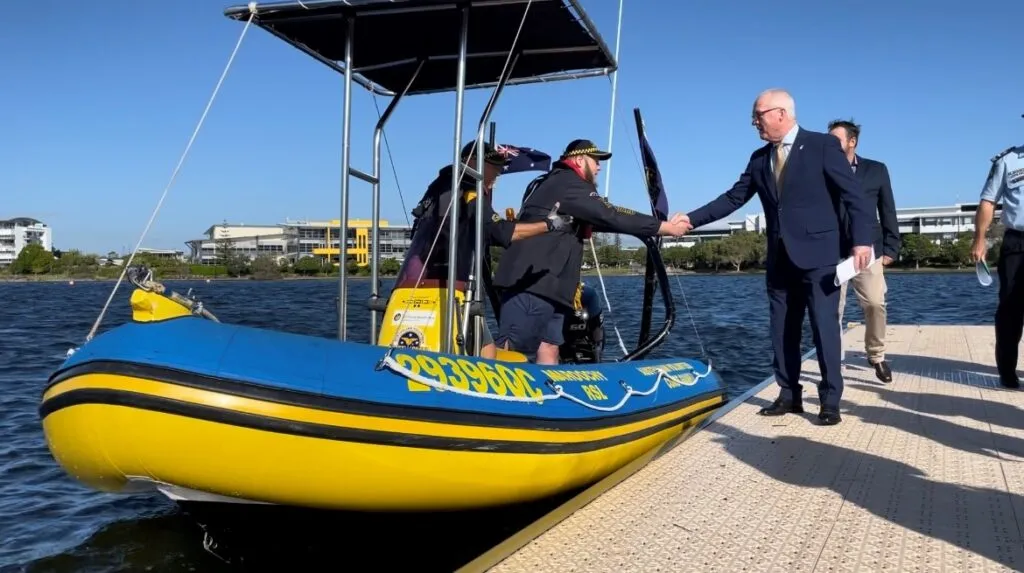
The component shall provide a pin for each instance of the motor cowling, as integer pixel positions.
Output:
(583, 331)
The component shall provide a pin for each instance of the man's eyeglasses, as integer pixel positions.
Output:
(757, 115)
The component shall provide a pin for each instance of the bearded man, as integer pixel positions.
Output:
(540, 276)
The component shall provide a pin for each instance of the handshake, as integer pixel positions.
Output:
(677, 226)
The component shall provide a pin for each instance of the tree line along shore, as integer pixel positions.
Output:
(740, 252)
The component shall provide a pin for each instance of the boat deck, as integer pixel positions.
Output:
(923, 474)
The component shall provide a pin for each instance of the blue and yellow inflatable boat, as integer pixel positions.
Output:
(245, 414)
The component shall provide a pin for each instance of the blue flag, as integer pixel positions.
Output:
(655, 187)
(519, 159)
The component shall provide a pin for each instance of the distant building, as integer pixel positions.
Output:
(320, 238)
(176, 254)
(717, 230)
(936, 223)
(248, 240)
(939, 223)
(293, 240)
(117, 261)
(17, 233)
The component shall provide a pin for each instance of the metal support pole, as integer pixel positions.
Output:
(448, 318)
(478, 244)
(478, 217)
(481, 271)
(346, 138)
(378, 132)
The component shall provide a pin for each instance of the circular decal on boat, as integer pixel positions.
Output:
(410, 338)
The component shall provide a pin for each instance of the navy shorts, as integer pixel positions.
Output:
(527, 320)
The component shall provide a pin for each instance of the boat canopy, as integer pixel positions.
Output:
(557, 41)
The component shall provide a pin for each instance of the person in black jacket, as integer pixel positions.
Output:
(540, 276)
(430, 221)
(869, 284)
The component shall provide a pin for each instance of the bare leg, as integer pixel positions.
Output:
(547, 353)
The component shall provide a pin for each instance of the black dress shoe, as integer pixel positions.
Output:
(882, 371)
(829, 417)
(1010, 382)
(780, 407)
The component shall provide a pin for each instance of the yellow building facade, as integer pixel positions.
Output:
(394, 239)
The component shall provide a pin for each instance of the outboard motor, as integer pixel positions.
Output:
(584, 331)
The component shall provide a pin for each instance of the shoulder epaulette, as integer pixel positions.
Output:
(1004, 153)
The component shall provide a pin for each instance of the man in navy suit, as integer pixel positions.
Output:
(801, 178)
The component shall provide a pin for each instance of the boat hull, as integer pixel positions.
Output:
(115, 423)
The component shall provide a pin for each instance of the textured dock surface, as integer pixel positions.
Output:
(923, 474)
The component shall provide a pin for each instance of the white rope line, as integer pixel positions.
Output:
(604, 291)
(686, 303)
(611, 120)
(608, 178)
(455, 194)
(174, 175)
(560, 392)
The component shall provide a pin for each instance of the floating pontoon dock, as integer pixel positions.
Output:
(923, 474)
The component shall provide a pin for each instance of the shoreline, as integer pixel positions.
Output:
(586, 273)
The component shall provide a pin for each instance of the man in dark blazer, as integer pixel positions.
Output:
(801, 178)
(869, 284)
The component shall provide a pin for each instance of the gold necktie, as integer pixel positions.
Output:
(780, 163)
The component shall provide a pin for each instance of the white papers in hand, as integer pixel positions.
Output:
(846, 270)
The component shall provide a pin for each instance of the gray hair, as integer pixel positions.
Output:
(782, 99)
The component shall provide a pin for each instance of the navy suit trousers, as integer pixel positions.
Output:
(790, 291)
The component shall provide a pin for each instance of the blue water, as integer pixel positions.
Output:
(51, 523)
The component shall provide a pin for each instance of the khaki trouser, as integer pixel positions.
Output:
(870, 287)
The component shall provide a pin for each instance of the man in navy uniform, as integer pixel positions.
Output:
(1005, 185)
(800, 176)
(869, 284)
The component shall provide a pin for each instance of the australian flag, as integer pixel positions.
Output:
(519, 159)
(655, 187)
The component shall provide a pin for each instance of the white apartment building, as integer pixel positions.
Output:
(17, 233)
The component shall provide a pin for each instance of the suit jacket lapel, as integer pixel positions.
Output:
(861, 168)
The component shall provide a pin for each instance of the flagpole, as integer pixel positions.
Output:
(611, 120)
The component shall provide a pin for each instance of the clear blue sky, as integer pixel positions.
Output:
(99, 99)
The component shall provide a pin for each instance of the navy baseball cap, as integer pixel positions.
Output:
(585, 147)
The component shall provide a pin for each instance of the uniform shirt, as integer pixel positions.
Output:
(1005, 185)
